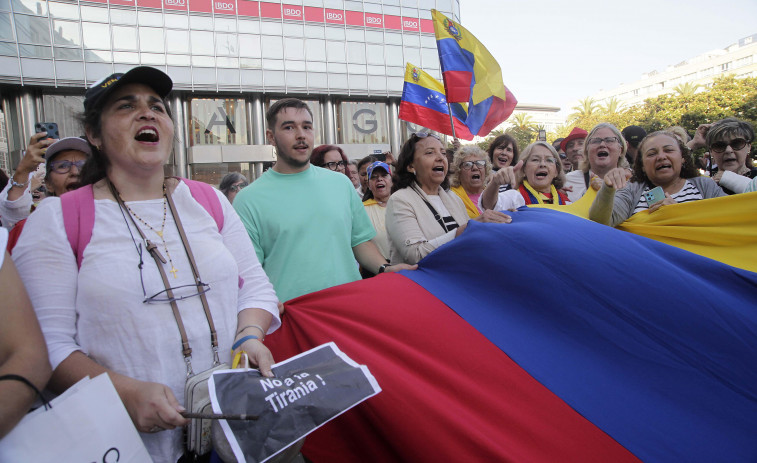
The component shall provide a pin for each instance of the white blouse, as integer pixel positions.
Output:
(98, 308)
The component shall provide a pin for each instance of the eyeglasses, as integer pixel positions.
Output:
(199, 288)
(735, 144)
(162, 296)
(422, 135)
(468, 165)
(64, 166)
(599, 140)
(238, 186)
(548, 160)
(333, 165)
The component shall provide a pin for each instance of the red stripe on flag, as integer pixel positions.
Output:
(448, 392)
(433, 120)
(499, 111)
(457, 85)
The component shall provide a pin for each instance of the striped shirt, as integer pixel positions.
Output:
(449, 222)
(689, 192)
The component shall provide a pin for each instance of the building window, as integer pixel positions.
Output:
(363, 122)
(64, 109)
(217, 122)
(725, 67)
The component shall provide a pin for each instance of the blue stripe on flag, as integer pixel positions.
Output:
(653, 344)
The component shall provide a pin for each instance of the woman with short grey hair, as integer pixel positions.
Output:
(231, 184)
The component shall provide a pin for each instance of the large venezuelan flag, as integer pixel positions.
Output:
(423, 103)
(472, 75)
(508, 345)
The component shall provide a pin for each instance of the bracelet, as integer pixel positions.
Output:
(252, 326)
(19, 185)
(21, 379)
(242, 341)
(382, 269)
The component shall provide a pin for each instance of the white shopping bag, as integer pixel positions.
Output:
(87, 423)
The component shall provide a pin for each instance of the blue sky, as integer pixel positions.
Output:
(555, 52)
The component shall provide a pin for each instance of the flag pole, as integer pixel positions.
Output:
(451, 122)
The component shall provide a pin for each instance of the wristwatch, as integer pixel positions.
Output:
(382, 269)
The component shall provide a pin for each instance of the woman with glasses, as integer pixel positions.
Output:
(231, 184)
(330, 157)
(471, 167)
(663, 161)
(729, 141)
(604, 150)
(159, 256)
(375, 199)
(65, 159)
(538, 178)
(422, 214)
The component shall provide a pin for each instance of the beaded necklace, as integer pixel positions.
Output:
(157, 232)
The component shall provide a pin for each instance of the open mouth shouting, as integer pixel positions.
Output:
(438, 169)
(602, 154)
(542, 175)
(72, 186)
(147, 134)
(663, 166)
(503, 160)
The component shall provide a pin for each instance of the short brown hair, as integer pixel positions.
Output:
(282, 104)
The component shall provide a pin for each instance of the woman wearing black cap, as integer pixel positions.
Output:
(154, 249)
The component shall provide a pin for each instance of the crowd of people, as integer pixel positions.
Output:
(215, 262)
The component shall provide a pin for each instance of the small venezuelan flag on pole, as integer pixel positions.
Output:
(423, 103)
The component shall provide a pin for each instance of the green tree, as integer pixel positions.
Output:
(523, 121)
(687, 89)
(523, 136)
(523, 129)
(585, 108)
(612, 106)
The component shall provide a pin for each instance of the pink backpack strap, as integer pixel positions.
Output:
(79, 218)
(206, 196)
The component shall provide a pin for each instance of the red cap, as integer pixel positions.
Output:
(576, 134)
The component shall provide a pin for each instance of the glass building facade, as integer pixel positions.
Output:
(229, 60)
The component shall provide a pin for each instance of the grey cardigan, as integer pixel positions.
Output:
(411, 225)
(626, 198)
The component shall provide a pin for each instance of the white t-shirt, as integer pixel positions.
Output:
(98, 308)
(508, 199)
(3, 243)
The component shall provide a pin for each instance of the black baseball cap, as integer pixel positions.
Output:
(634, 134)
(153, 78)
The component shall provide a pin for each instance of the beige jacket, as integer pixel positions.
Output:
(411, 226)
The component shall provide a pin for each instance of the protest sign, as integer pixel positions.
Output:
(308, 390)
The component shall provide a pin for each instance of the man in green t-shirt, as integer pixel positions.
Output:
(307, 224)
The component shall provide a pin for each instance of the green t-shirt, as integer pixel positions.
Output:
(303, 227)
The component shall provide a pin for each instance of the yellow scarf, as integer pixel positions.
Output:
(369, 202)
(470, 208)
(541, 197)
